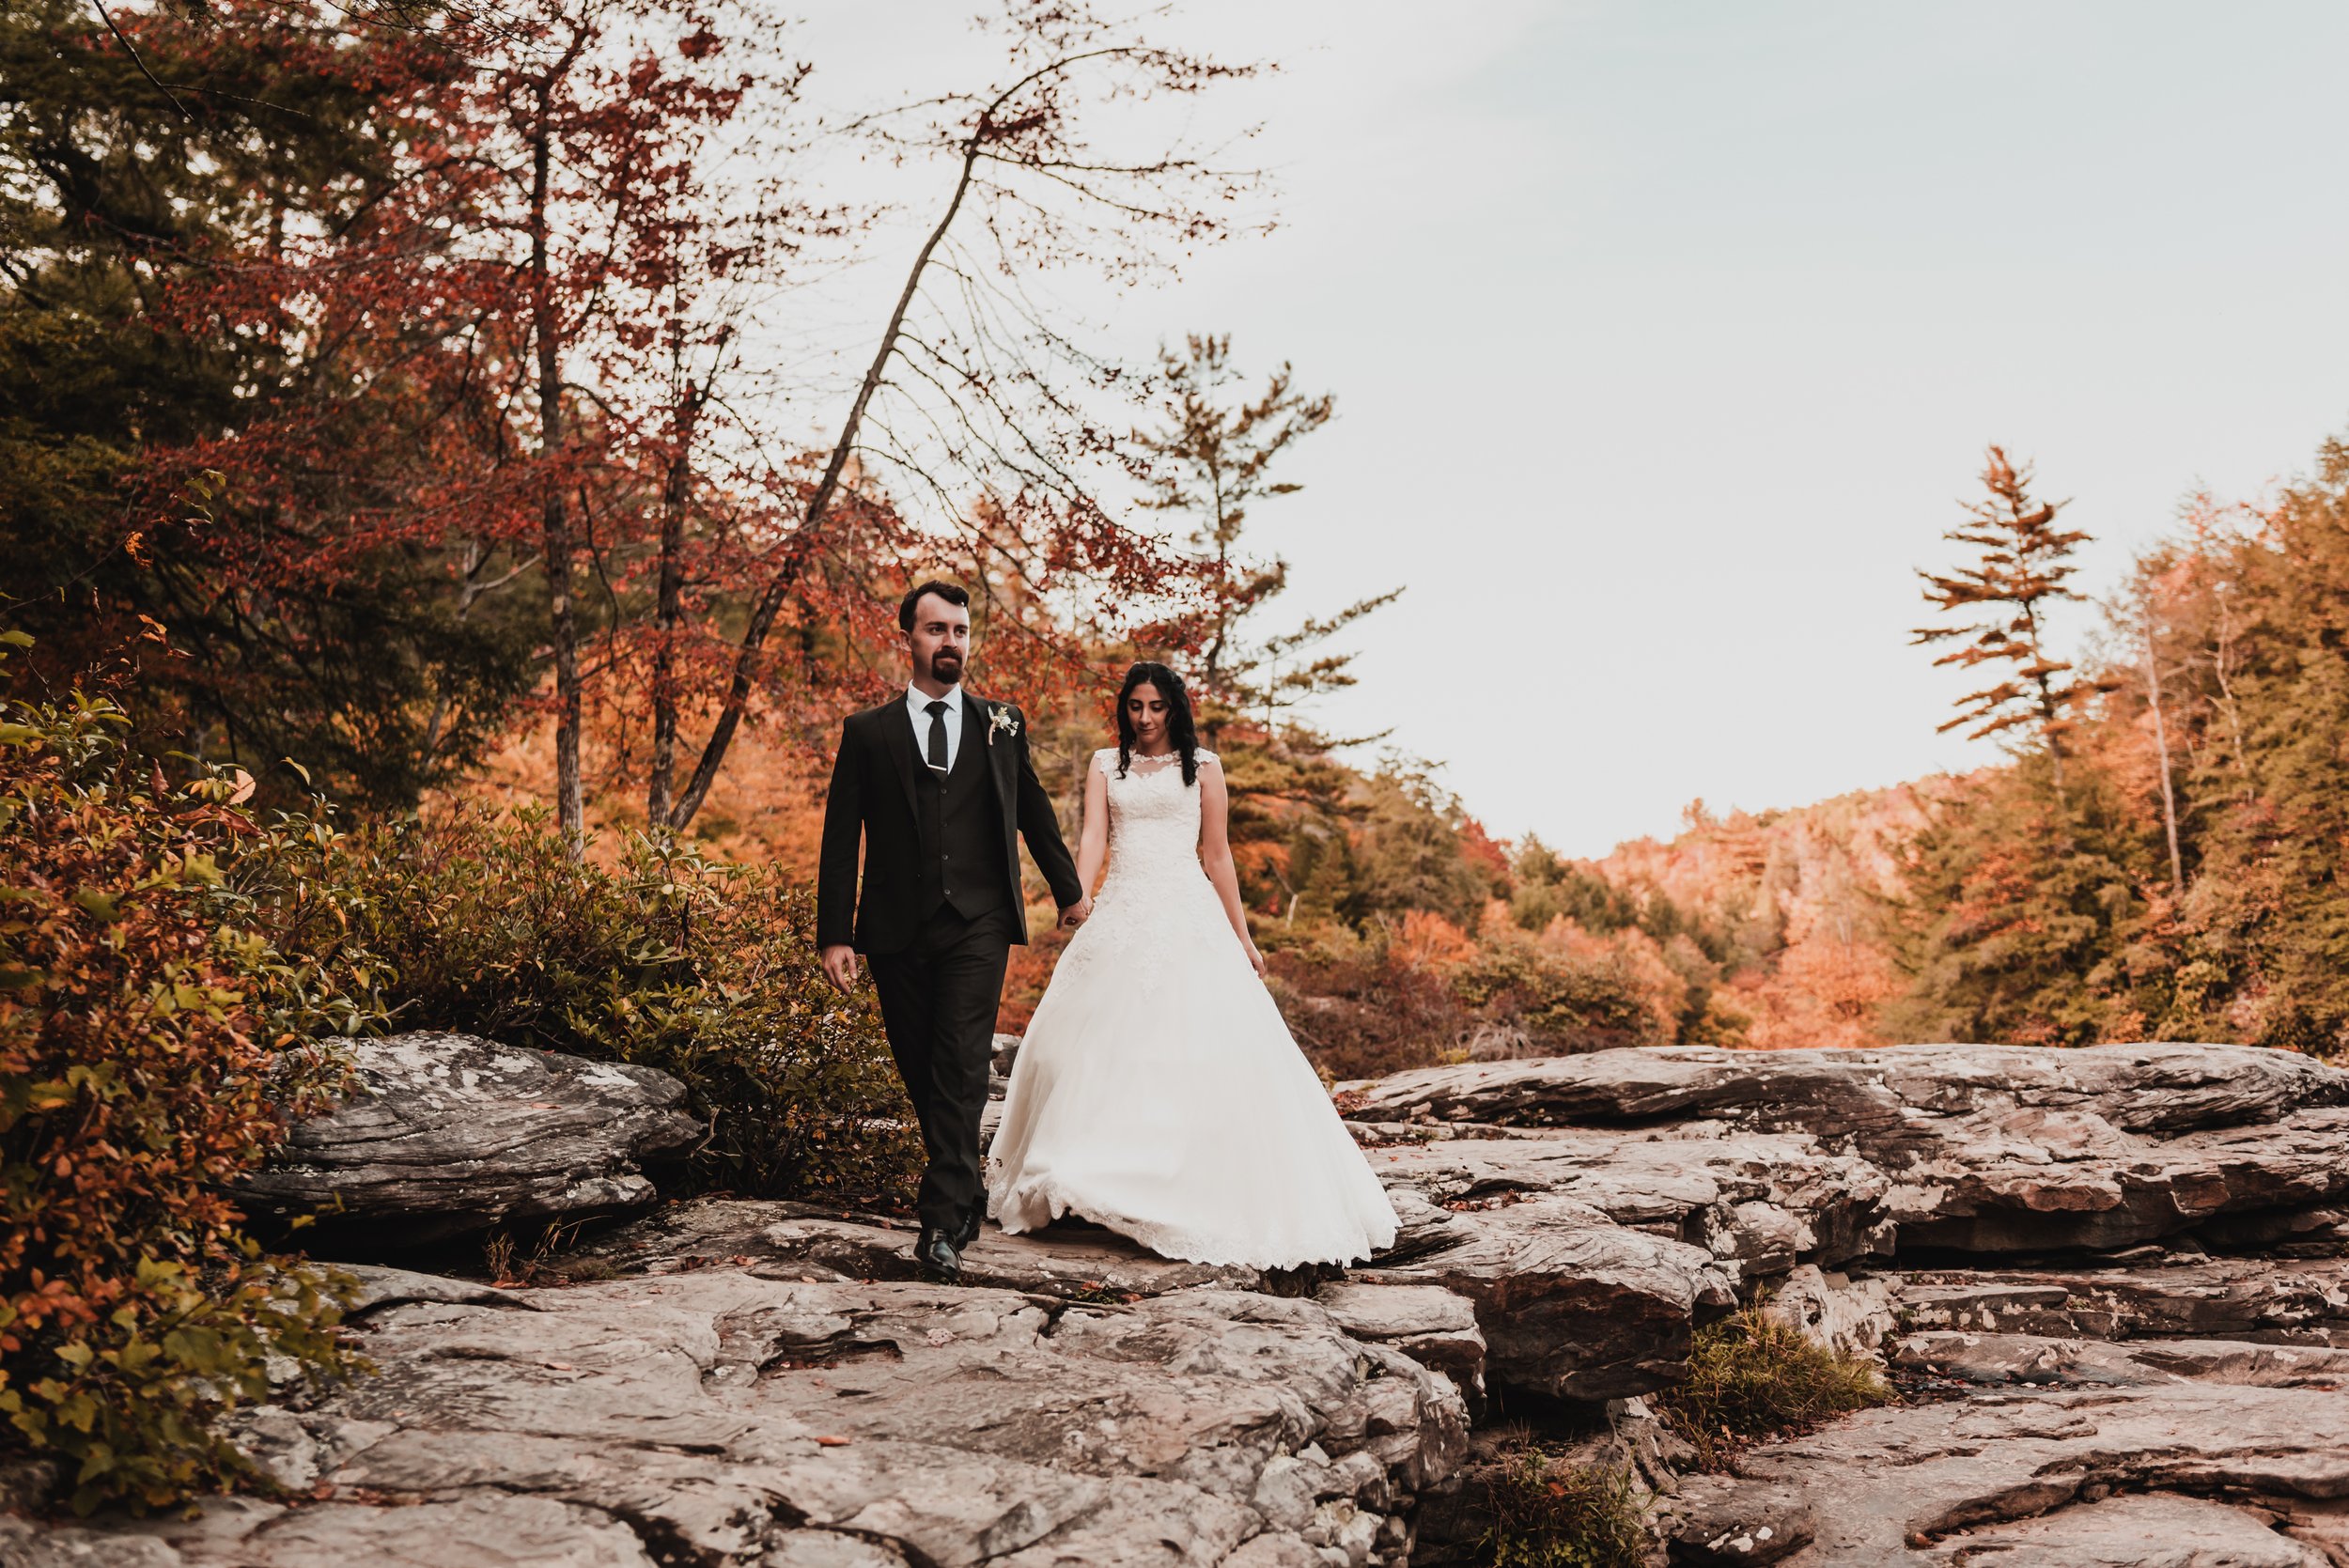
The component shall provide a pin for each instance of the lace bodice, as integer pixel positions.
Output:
(1154, 820)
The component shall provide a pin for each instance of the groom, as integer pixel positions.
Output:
(937, 783)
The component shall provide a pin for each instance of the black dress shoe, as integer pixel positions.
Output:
(970, 1232)
(936, 1255)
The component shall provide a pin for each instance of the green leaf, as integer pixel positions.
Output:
(102, 905)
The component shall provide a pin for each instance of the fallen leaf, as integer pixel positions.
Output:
(833, 1442)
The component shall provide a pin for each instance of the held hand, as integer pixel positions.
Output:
(840, 967)
(1076, 914)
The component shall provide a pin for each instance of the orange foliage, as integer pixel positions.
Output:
(1633, 956)
(154, 1045)
(1430, 941)
(1801, 893)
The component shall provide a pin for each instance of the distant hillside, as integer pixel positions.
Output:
(1799, 900)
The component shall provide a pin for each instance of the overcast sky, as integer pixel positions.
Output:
(1666, 340)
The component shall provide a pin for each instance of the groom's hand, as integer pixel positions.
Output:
(840, 967)
(1076, 914)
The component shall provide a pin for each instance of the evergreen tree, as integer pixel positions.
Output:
(1211, 460)
(2025, 900)
(165, 178)
(2023, 910)
(2269, 912)
(2017, 576)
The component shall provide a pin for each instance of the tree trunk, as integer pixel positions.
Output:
(554, 522)
(803, 545)
(2161, 745)
(675, 490)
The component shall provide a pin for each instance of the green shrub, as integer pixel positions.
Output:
(155, 1035)
(1355, 1010)
(1751, 1376)
(700, 968)
(1550, 1515)
(1565, 1005)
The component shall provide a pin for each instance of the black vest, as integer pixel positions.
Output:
(962, 830)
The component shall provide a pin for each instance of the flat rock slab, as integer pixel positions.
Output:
(452, 1134)
(2153, 1531)
(2298, 1301)
(1759, 1203)
(1717, 1522)
(712, 1416)
(1988, 1148)
(1877, 1098)
(1956, 1482)
(2003, 1358)
(800, 1240)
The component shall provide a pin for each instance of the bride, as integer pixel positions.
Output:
(1157, 1091)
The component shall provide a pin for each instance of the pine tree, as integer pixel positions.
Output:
(1211, 459)
(2027, 897)
(2020, 573)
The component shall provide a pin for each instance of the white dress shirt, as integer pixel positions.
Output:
(918, 705)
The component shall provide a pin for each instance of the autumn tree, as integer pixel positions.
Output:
(2018, 575)
(2255, 624)
(979, 411)
(2027, 895)
(217, 411)
(569, 190)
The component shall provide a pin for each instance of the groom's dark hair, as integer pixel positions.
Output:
(951, 593)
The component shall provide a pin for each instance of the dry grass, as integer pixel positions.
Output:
(1549, 1513)
(1751, 1376)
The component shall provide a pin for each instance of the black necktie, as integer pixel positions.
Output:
(937, 711)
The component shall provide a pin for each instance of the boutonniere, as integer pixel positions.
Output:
(1001, 721)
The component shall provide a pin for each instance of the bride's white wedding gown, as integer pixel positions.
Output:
(1158, 1090)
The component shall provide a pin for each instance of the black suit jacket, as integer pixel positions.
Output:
(871, 797)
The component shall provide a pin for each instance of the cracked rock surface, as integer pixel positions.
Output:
(1988, 1148)
(712, 1416)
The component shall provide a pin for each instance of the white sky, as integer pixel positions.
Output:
(1666, 340)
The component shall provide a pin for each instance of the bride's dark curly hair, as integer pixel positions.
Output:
(1180, 728)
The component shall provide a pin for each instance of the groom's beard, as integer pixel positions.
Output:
(946, 667)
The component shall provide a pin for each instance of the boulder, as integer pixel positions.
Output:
(1591, 1257)
(1571, 1304)
(451, 1134)
(1430, 1325)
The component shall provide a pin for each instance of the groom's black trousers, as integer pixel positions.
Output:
(938, 1000)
